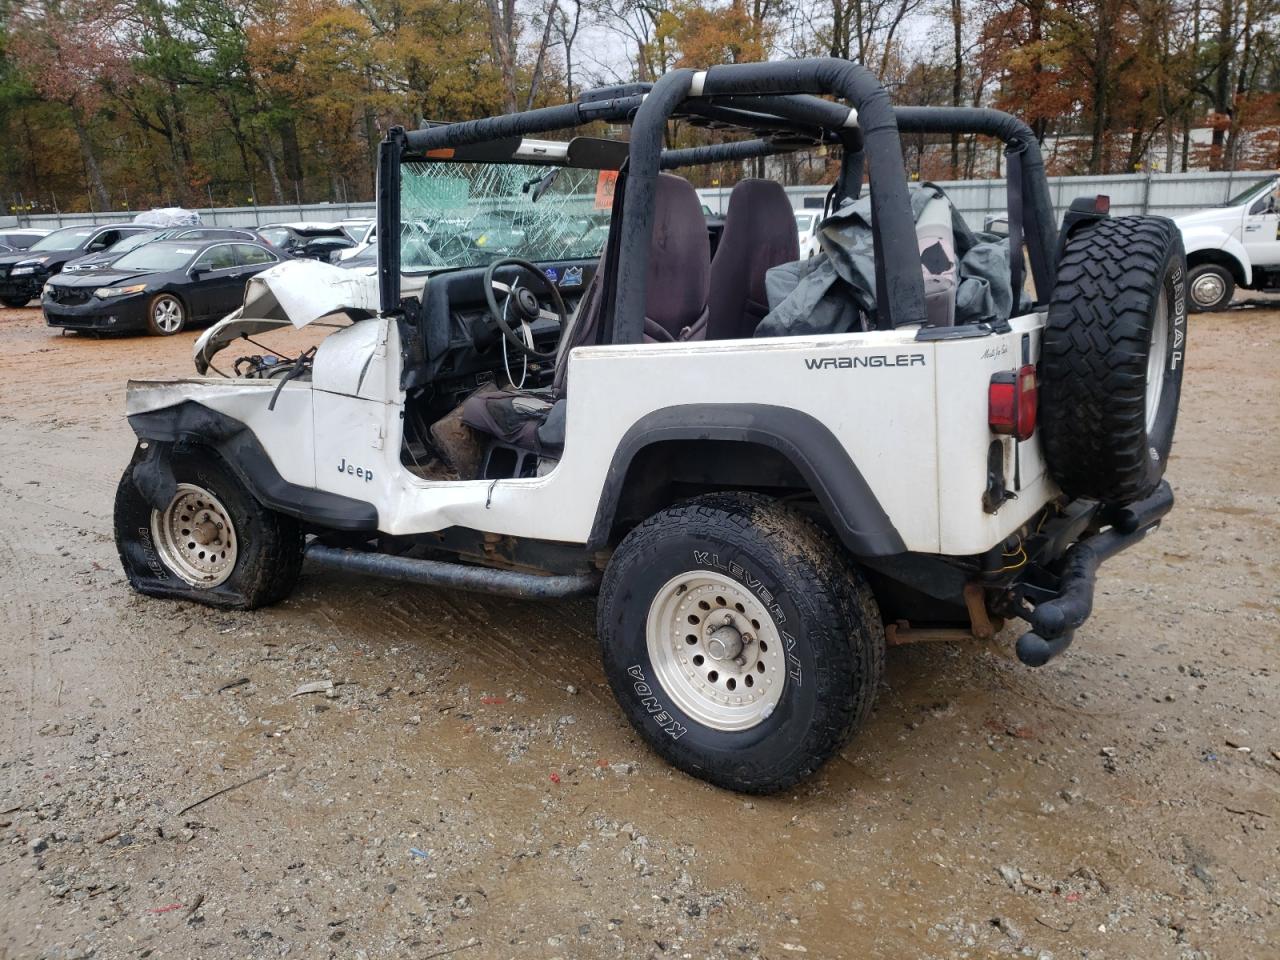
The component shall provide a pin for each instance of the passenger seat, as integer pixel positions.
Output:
(759, 234)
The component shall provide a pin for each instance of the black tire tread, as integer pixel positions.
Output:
(1092, 412)
(832, 592)
(269, 576)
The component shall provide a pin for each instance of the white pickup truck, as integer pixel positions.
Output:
(1234, 245)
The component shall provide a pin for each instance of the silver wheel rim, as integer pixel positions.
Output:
(194, 536)
(1156, 358)
(716, 651)
(168, 314)
(1208, 289)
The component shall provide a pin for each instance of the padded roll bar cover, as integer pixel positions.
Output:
(897, 261)
(899, 281)
(1043, 248)
(518, 124)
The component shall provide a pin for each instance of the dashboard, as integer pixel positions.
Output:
(461, 342)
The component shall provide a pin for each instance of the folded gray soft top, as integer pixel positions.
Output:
(966, 273)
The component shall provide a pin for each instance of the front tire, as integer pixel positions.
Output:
(738, 642)
(1211, 288)
(212, 541)
(166, 315)
(15, 302)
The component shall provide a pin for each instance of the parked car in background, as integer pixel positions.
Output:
(19, 238)
(160, 287)
(1234, 245)
(807, 228)
(22, 274)
(357, 227)
(314, 241)
(364, 239)
(96, 261)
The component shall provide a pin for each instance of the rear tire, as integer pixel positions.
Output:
(1112, 358)
(1211, 288)
(213, 543)
(787, 643)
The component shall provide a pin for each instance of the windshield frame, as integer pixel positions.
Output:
(1251, 194)
(492, 214)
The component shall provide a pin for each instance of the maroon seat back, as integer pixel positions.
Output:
(759, 233)
(676, 283)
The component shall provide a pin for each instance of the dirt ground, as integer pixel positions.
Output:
(469, 788)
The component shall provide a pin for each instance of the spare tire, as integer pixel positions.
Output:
(1111, 359)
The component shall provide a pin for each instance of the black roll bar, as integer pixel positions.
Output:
(899, 283)
(1022, 146)
(765, 97)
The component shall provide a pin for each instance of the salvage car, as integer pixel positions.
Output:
(96, 261)
(20, 238)
(311, 241)
(763, 484)
(160, 287)
(23, 274)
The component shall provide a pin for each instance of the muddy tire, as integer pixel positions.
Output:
(1112, 358)
(739, 642)
(1211, 287)
(166, 315)
(15, 302)
(212, 543)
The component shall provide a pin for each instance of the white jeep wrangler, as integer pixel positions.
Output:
(551, 388)
(1234, 245)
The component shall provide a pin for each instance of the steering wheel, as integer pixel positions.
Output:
(522, 302)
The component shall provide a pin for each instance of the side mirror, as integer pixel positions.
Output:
(198, 273)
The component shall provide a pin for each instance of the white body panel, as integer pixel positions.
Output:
(912, 417)
(1248, 232)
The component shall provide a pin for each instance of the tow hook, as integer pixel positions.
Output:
(1054, 621)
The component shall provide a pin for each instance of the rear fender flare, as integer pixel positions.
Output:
(848, 502)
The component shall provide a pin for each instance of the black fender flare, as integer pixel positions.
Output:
(855, 514)
(193, 422)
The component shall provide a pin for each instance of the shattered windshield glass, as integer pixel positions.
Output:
(470, 214)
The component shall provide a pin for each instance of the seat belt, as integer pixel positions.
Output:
(1017, 265)
(608, 286)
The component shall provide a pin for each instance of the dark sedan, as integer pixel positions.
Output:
(19, 238)
(160, 287)
(96, 261)
(23, 273)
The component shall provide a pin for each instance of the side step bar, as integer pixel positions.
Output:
(1054, 622)
(460, 576)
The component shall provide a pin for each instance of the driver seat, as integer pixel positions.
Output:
(677, 285)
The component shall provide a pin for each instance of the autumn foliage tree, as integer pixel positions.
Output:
(115, 103)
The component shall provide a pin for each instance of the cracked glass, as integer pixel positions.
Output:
(470, 214)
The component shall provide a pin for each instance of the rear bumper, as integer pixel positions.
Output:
(1058, 613)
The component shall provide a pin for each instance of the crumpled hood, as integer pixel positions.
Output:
(295, 292)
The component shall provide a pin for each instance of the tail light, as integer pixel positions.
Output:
(1011, 402)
